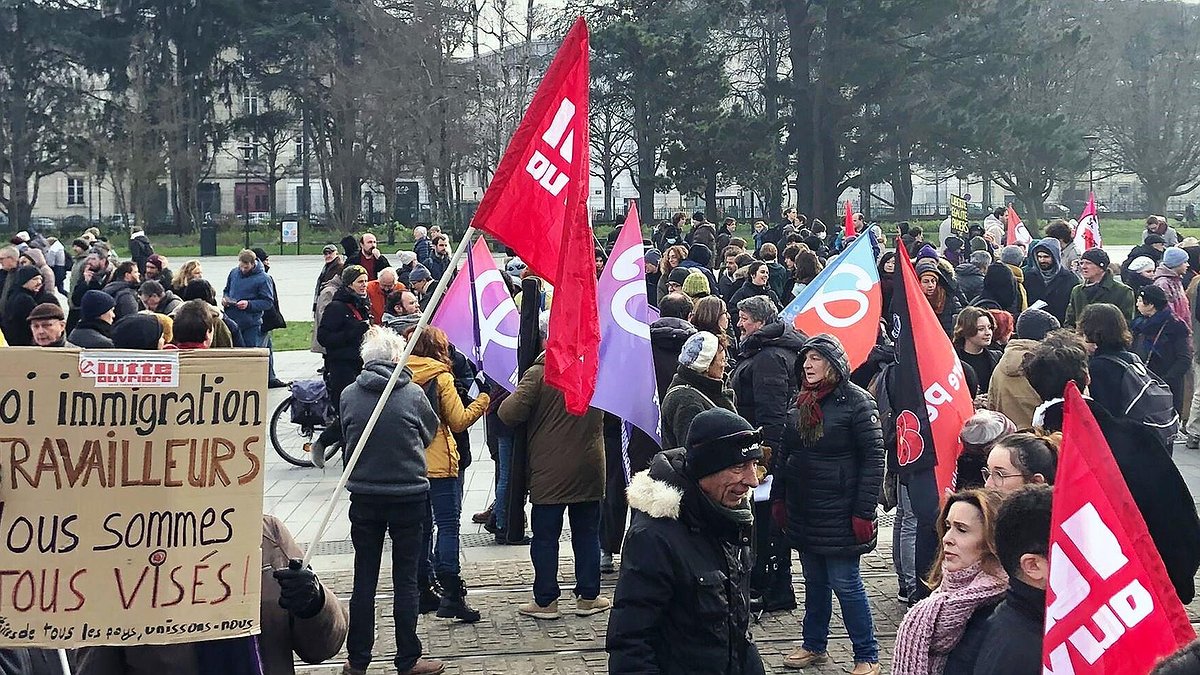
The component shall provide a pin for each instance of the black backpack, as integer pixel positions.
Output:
(310, 403)
(1150, 401)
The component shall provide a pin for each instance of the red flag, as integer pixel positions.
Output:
(537, 205)
(849, 226)
(1017, 232)
(1110, 607)
(930, 389)
(1087, 233)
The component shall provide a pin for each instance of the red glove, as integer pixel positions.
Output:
(779, 513)
(864, 530)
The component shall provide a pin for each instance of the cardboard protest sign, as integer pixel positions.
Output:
(958, 216)
(130, 496)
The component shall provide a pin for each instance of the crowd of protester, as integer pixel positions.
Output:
(772, 443)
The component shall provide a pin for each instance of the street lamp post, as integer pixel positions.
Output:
(1091, 141)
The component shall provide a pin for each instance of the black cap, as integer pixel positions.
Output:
(1152, 239)
(719, 439)
(1153, 295)
(1096, 256)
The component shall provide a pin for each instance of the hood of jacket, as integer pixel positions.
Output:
(967, 270)
(700, 253)
(670, 333)
(38, 258)
(425, 369)
(1017, 273)
(998, 285)
(375, 375)
(114, 287)
(775, 334)
(1018, 348)
(258, 269)
(665, 491)
(1050, 246)
(1164, 272)
(831, 349)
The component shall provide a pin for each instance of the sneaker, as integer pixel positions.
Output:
(317, 454)
(278, 384)
(865, 669)
(351, 670)
(538, 612)
(585, 607)
(606, 564)
(802, 658)
(426, 667)
(1193, 442)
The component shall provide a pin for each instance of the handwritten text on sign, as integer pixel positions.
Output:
(130, 514)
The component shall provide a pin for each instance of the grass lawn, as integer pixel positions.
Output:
(296, 337)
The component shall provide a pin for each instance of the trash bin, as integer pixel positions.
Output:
(208, 240)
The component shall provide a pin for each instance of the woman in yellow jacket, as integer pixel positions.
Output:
(430, 365)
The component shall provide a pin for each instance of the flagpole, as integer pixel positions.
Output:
(426, 315)
(478, 348)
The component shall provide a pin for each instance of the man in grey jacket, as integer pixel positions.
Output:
(389, 492)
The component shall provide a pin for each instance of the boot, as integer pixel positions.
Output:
(429, 599)
(454, 600)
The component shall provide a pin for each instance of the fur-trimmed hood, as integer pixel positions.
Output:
(658, 491)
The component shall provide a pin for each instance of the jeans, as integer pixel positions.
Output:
(923, 497)
(445, 495)
(368, 523)
(904, 542)
(547, 521)
(252, 336)
(504, 468)
(1193, 423)
(823, 576)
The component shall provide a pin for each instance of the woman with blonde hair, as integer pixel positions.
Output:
(188, 271)
(943, 632)
(430, 364)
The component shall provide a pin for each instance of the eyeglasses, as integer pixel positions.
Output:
(1000, 476)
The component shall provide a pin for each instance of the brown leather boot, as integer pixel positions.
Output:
(426, 667)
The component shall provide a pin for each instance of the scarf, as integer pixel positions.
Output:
(933, 627)
(812, 427)
(1048, 275)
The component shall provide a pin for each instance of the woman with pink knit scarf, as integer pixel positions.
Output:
(943, 632)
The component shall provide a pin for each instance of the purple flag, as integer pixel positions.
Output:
(625, 385)
(492, 344)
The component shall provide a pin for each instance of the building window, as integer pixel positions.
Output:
(74, 192)
(249, 149)
(249, 104)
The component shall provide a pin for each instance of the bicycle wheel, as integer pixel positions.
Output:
(291, 441)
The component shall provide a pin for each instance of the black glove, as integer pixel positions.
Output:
(299, 590)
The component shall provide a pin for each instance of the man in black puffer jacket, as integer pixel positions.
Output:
(764, 386)
(681, 603)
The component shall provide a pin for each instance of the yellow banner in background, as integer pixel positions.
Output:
(131, 491)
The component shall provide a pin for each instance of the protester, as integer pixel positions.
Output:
(808, 266)
(1169, 277)
(671, 259)
(695, 286)
(93, 276)
(36, 259)
(969, 275)
(126, 280)
(343, 324)
(1013, 257)
(777, 275)
(699, 258)
(187, 272)
(422, 245)
(1022, 459)
(1158, 225)
(939, 291)
(368, 256)
(1012, 641)
(1162, 341)
(887, 279)
(1000, 290)
(972, 342)
(979, 434)
(726, 277)
(193, 326)
(157, 270)
(1098, 286)
(138, 331)
(389, 491)
(94, 330)
(156, 299)
(225, 331)
(651, 261)
(299, 615)
(691, 521)
(758, 277)
(400, 304)
(676, 279)
(1061, 231)
(140, 249)
(702, 232)
(1153, 480)
(421, 283)
(378, 291)
(566, 473)
(1152, 248)
(1106, 333)
(272, 320)
(1004, 329)
(832, 471)
(1048, 282)
(698, 385)
(25, 296)
(48, 324)
(944, 632)
(438, 262)
(248, 293)
(430, 365)
(1009, 392)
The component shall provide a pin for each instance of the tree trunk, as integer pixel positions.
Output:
(647, 144)
(1157, 195)
(710, 194)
